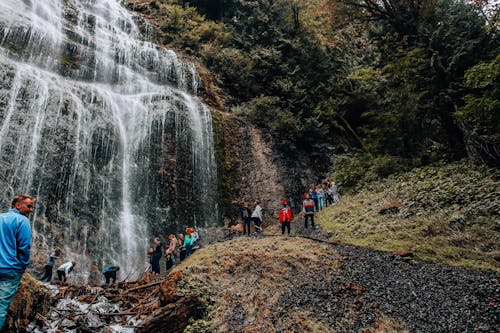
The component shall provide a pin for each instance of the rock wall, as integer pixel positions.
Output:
(250, 168)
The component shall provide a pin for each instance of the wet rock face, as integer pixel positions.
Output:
(249, 168)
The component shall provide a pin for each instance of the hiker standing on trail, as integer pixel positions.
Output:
(313, 195)
(285, 217)
(64, 270)
(257, 216)
(56, 254)
(188, 241)
(156, 256)
(170, 252)
(196, 239)
(15, 247)
(182, 249)
(308, 207)
(321, 197)
(245, 216)
(110, 273)
(335, 193)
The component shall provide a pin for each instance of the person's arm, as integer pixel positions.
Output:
(23, 239)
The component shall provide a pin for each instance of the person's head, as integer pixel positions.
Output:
(245, 205)
(308, 196)
(24, 204)
(284, 202)
(57, 252)
(257, 202)
(156, 240)
(150, 251)
(188, 231)
(181, 236)
(171, 236)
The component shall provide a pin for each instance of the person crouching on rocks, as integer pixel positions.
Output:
(64, 270)
(110, 273)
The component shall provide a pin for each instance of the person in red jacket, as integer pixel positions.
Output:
(285, 217)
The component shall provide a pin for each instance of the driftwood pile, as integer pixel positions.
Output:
(142, 305)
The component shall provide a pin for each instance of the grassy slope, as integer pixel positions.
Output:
(448, 214)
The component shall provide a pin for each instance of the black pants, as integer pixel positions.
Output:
(246, 226)
(182, 253)
(155, 264)
(48, 273)
(170, 261)
(110, 275)
(306, 218)
(61, 275)
(285, 225)
(257, 222)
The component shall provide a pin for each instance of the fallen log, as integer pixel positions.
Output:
(173, 317)
(144, 286)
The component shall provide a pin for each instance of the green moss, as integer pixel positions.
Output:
(446, 214)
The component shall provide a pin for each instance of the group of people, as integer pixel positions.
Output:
(323, 195)
(178, 247)
(62, 271)
(249, 216)
(312, 201)
(15, 240)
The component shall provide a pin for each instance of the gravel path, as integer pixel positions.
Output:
(415, 296)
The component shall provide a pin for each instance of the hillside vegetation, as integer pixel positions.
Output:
(412, 80)
(448, 213)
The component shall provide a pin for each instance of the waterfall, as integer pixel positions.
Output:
(104, 128)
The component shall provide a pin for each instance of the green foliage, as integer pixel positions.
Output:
(383, 77)
(353, 171)
(480, 116)
(188, 30)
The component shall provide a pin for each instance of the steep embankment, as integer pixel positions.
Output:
(447, 214)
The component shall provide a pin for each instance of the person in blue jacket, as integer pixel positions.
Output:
(15, 247)
(110, 273)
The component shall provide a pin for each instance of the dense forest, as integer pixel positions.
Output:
(388, 85)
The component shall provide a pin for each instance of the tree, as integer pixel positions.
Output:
(480, 116)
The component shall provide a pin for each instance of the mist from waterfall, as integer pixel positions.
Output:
(104, 128)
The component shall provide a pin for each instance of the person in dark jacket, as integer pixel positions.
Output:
(245, 216)
(309, 207)
(156, 256)
(110, 273)
(15, 248)
(49, 267)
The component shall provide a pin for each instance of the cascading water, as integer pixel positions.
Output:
(104, 129)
